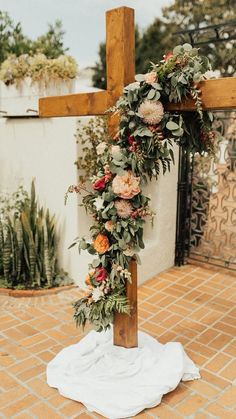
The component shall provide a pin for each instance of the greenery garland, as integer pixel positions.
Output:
(141, 147)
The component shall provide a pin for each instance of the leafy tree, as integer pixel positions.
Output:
(160, 36)
(194, 14)
(99, 76)
(13, 40)
(153, 44)
(51, 43)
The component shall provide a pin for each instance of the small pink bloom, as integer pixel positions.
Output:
(167, 56)
(109, 225)
(132, 148)
(116, 137)
(132, 143)
(106, 290)
(150, 78)
(107, 169)
(153, 128)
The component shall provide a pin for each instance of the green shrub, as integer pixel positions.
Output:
(89, 135)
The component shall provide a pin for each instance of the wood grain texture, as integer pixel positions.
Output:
(120, 50)
(120, 46)
(80, 104)
(126, 327)
(216, 95)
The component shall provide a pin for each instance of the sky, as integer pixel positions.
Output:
(83, 20)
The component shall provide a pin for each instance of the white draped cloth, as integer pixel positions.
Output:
(118, 382)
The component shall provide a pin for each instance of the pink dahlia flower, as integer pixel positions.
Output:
(126, 186)
(151, 112)
(123, 208)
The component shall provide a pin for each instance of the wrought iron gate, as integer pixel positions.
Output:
(206, 219)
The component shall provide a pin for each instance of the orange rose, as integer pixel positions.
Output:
(101, 243)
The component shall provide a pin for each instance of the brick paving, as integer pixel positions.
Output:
(192, 304)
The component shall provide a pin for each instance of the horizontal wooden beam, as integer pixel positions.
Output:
(80, 104)
(216, 94)
(219, 94)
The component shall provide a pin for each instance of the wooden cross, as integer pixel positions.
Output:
(120, 44)
(120, 62)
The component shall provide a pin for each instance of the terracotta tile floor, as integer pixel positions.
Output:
(191, 304)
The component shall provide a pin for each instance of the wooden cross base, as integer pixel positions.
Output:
(125, 326)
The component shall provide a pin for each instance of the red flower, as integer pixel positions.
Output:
(100, 184)
(100, 274)
(107, 177)
(131, 140)
(167, 56)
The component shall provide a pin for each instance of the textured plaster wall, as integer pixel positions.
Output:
(158, 254)
(46, 150)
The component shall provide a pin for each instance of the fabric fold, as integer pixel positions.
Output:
(117, 382)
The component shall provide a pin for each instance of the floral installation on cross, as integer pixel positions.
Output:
(142, 146)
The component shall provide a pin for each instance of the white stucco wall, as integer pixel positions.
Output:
(45, 149)
(158, 254)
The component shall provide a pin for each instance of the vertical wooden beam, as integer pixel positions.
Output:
(126, 327)
(120, 50)
(120, 61)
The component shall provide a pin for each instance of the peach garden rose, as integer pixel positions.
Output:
(126, 186)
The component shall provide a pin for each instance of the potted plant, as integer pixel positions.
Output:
(25, 78)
